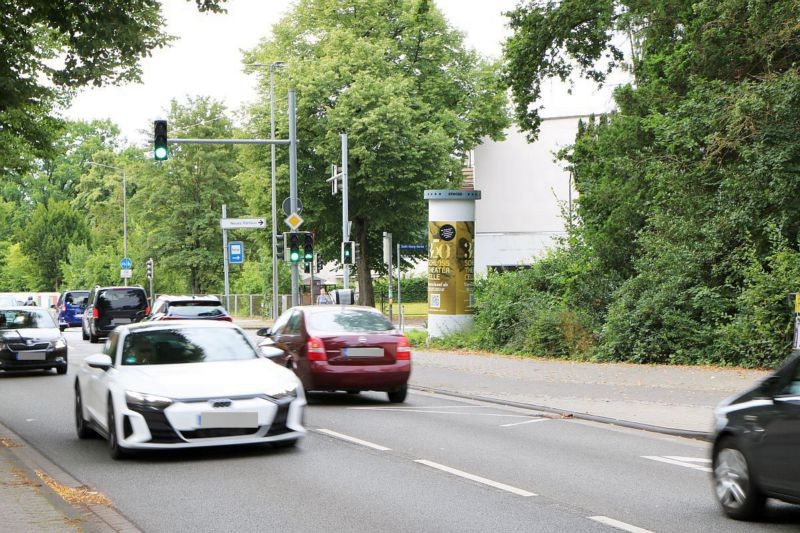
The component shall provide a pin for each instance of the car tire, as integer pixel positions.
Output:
(61, 369)
(83, 334)
(736, 491)
(62, 328)
(398, 396)
(81, 425)
(94, 339)
(116, 451)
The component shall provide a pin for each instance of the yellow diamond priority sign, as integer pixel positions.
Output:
(293, 221)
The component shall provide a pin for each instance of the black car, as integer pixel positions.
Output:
(756, 444)
(197, 307)
(109, 307)
(31, 340)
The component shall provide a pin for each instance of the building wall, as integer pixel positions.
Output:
(523, 192)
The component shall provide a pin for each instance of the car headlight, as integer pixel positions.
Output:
(288, 393)
(146, 400)
(60, 343)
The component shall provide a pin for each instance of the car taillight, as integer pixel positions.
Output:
(403, 349)
(315, 349)
(225, 318)
(95, 313)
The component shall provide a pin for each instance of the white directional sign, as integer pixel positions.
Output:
(293, 221)
(233, 223)
(126, 273)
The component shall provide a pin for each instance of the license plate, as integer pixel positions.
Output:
(213, 419)
(122, 321)
(31, 356)
(363, 352)
(78, 315)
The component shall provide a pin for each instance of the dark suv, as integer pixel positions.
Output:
(70, 307)
(108, 307)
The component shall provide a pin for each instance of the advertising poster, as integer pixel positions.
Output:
(451, 268)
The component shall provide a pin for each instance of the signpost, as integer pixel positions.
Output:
(236, 223)
(233, 252)
(126, 268)
(294, 221)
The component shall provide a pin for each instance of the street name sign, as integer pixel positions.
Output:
(413, 247)
(234, 223)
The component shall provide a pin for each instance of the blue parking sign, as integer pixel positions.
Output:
(236, 252)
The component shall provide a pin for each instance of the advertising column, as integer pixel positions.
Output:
(451, 263)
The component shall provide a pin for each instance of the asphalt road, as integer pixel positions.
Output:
(430, 464)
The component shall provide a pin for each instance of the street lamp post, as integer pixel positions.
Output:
(124, 208)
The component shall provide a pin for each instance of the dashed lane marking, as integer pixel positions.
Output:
(354, 440)
(686, 462)
(619, 525)
(473, 477)
(525, 422)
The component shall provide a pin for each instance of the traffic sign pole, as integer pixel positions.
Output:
(225, 258)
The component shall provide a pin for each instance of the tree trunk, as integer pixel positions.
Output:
(366, 295)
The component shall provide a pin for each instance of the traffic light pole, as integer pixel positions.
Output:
(292, 143)
(345, 210)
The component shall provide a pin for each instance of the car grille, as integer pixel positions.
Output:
(279, 424)
(161, 431)
(212, 433)
(19, 347)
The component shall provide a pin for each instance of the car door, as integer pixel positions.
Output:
(290, 341)
(779, 468)
(98, 382)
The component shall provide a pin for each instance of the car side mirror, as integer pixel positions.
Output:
(264, 332)
(272, 353)
(100, 361)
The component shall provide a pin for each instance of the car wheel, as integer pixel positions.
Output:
(61, 369)
(81, 426)
(94, 339)
(116, 451)
(735, 488)
(83, 334)
(398, 396)
(62, 328)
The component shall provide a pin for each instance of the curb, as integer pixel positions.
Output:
(90, 517)
(685, 433)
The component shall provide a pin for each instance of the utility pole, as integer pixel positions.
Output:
(345, 205)
(225, 260)
(275, 309)
(293, 186)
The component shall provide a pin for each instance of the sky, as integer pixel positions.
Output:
(206, 60)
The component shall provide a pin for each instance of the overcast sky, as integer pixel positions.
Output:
(206, 60)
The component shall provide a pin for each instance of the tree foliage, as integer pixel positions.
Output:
(398, 80)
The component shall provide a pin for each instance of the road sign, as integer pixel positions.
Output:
(233, 223)
(413, 247)
(236, 252)
(126, 273)
(287, 206)
(294, 221)
(126, 264)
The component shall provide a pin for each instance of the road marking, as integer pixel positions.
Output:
(441, 412)
(354, 440)
(425, 407)
(619, 525)
(525, 422)
(473, 477)
(681, 461)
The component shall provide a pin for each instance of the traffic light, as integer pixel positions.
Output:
(294, 247)
(308, 247)
(307, 268)
(319, 263)
(160, 151)
(280, 246)
(347, 253)
(149, 268)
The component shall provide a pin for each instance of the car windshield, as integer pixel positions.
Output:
(76, 297)
(185, 345)
(18, 319)
(119, 299)
(346, 320)
(196, 309)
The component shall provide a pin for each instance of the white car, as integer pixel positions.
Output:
(186, 384)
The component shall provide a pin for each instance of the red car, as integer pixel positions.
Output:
(342, 347)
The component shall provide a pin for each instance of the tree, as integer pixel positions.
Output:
(46, 239)
(398, 80)
(179, 202)
(52, 48)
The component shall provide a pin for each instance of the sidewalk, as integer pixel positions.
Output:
(672, 397)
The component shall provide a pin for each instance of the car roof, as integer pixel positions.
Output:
(189, 298)
(173, 324)
(327, 307)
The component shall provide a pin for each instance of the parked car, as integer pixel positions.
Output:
(756, 440)
(70, 308)
(167, 307)
(184, 384)
(30, 340)
(338, 347)
(109, 307)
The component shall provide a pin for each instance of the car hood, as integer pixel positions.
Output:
(208, 380)
(39, 334)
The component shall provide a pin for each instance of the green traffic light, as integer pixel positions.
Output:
(295, 256)
(161, 153)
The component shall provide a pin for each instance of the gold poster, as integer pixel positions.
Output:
(451, 267)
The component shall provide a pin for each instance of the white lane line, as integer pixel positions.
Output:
(525, 422)
(446, 412)
(354, 440)
(689, 459)
(677, 463)
(473, 477)
(423, 407)
(619, 525)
